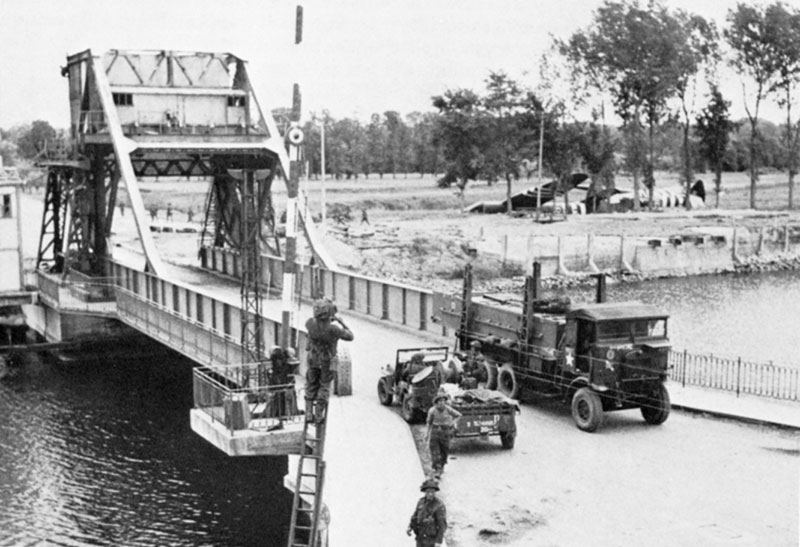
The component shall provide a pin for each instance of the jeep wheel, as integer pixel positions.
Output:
(507, 381)
(508, 438)
(384, 393)
(587, 410)
(411, 413)
(656, 408)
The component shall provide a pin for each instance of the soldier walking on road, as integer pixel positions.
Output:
(323, 337)
(441, 423)
(429, 521)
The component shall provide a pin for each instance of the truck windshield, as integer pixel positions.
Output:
(631, 330)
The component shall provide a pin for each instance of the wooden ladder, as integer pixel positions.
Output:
(310, 478)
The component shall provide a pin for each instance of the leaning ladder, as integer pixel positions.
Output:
(308, 483)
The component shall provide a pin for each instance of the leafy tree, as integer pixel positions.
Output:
(713, 128)
(562, 147)
(788, 78)
(640, 55)
(459, 133)
(377, 147)
(33, 140)
(751, 35)
(511, 128)
(597, 152)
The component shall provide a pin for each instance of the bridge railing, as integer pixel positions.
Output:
(194, 339)
(379, 298)
(240, 397)
(742, 377)
(90, 295)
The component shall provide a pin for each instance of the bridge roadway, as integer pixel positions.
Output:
(694, 480)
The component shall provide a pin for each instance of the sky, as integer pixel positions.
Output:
(358, 57)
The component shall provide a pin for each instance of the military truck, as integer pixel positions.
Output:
(598, 357)
(484, 413)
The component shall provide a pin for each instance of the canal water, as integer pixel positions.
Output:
(100, 452)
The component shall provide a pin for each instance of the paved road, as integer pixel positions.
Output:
(695, 480)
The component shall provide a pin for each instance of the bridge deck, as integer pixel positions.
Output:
(373, 469)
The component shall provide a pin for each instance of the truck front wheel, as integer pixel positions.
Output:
(384, 392)
(507, 381)
(587, 409)
(655, 409)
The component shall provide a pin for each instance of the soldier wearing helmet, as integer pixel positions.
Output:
(429, 520)
(324, 330)
(441, 424)
(283, 364)
(474, 367)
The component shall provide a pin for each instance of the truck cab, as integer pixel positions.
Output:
(619, 352)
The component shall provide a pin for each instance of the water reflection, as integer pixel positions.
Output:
(756, 317)
(101, 453)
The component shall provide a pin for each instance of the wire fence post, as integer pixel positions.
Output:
(738, 374)
(683, 373)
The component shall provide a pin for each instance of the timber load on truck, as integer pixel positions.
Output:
(598, 357)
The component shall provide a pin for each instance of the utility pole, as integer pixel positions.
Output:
(541, 145)
(294, 138)
(322, 174)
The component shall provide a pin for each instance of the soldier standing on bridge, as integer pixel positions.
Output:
(323, 338)
(429, 521)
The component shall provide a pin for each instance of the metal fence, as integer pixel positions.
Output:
(742, 377)
(239, 397)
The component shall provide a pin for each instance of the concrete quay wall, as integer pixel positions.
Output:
(699, 251)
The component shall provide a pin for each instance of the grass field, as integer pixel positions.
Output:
(414, 192)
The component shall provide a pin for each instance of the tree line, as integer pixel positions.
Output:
(656, 69)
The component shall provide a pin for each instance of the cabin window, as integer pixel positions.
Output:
(199, 308)
(226, 319)
(235, 100)
(123, 99)
(6, 210)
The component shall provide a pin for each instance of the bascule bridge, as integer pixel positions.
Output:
(153, 116)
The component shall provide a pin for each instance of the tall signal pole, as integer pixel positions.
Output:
(294, 138)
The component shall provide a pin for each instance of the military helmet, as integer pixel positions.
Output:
(441, 394)
(431, 484)
(323, 308)
(475, 344)
(418, 357)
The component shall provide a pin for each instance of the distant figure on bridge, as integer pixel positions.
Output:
(153, 213)
(364, 217)
(429, 521)
(323, 338)
(121, 209)
(169, 212)
(189, 214)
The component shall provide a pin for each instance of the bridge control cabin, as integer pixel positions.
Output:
(167, 95)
